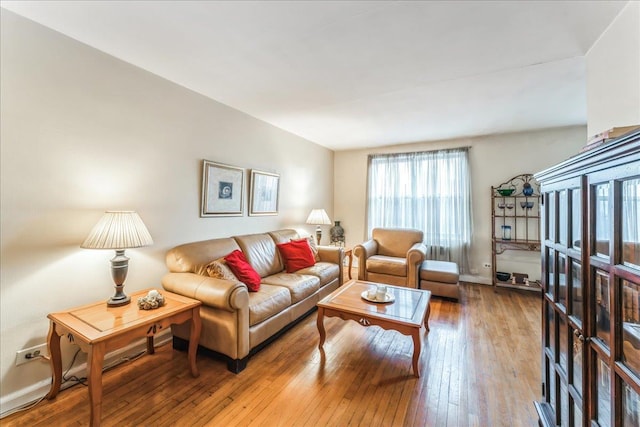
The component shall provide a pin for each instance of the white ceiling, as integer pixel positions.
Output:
(352, 74)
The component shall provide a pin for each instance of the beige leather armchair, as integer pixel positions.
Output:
(392, 256)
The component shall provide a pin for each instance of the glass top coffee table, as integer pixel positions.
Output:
(407, 313)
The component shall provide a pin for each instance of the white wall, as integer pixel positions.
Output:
(613, 74)
(493, 159)
(83, 132)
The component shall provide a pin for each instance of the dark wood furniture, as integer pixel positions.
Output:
(99, 329)
(407, 314)
(591, 282)
(515, 225)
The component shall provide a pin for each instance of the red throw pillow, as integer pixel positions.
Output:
(243, 270)
(297, 255)
(312, 244)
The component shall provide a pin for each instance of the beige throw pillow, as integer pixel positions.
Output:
(220, 270)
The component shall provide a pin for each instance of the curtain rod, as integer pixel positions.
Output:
(468, 147)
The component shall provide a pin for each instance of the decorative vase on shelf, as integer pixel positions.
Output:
(527, 189)
(506, 232)
(337, 234)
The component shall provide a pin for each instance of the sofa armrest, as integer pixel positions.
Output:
(218, 293)
(334, 254)
(415, 256)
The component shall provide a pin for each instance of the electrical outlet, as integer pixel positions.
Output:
(487, 265)
(30, 354)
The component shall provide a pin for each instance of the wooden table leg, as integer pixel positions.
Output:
(55, 359)
(95, 359)
(194, 338)
(417, 348)
(426, 316)
(151, 349)
(320, 324)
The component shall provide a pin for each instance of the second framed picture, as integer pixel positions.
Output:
(264, 193)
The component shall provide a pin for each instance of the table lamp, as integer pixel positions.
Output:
(318, 217)
(118, 230)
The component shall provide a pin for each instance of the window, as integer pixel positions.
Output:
(428, 191)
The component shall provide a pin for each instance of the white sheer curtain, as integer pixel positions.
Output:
(428, 191)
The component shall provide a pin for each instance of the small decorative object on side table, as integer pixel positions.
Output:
(98, 329)
(151, 301)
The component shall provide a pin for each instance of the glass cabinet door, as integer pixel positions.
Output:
(564, 304)
(615, 306)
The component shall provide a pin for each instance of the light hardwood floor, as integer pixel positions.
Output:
(480, 366)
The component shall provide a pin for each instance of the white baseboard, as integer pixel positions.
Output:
(476, 279)
(36, 391)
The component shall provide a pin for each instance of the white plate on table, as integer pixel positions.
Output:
(387, 298)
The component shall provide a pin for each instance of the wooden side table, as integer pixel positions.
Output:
(98, 329)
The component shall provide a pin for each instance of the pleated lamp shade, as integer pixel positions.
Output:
(318, 217)
(118, 230)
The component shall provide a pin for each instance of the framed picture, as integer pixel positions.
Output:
(264, 193)
(222, 189)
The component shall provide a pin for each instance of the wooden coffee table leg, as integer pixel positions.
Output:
(417, 348)
(320, 323)
(426, 316)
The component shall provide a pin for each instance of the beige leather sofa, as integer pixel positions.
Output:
(235, 322)
(392, 256)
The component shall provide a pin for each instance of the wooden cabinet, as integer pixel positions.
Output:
(591, 287)
(515, 221)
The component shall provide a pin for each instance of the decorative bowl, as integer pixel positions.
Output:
(526, 205)
(505, 191)
(502, 276)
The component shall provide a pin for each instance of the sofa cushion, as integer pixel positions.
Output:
(387, 265)
(300, 286)
(220, 270)
(325, 271)
(296, 255)
(243, 270)
(270, 301)
(261, 252)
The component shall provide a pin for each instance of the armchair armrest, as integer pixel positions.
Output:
(362, 252)
(366, 249)
(218, 293)
(415, 256)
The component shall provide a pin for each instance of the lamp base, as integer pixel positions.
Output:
(119, 267)
(318, 234)
(119, 299)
